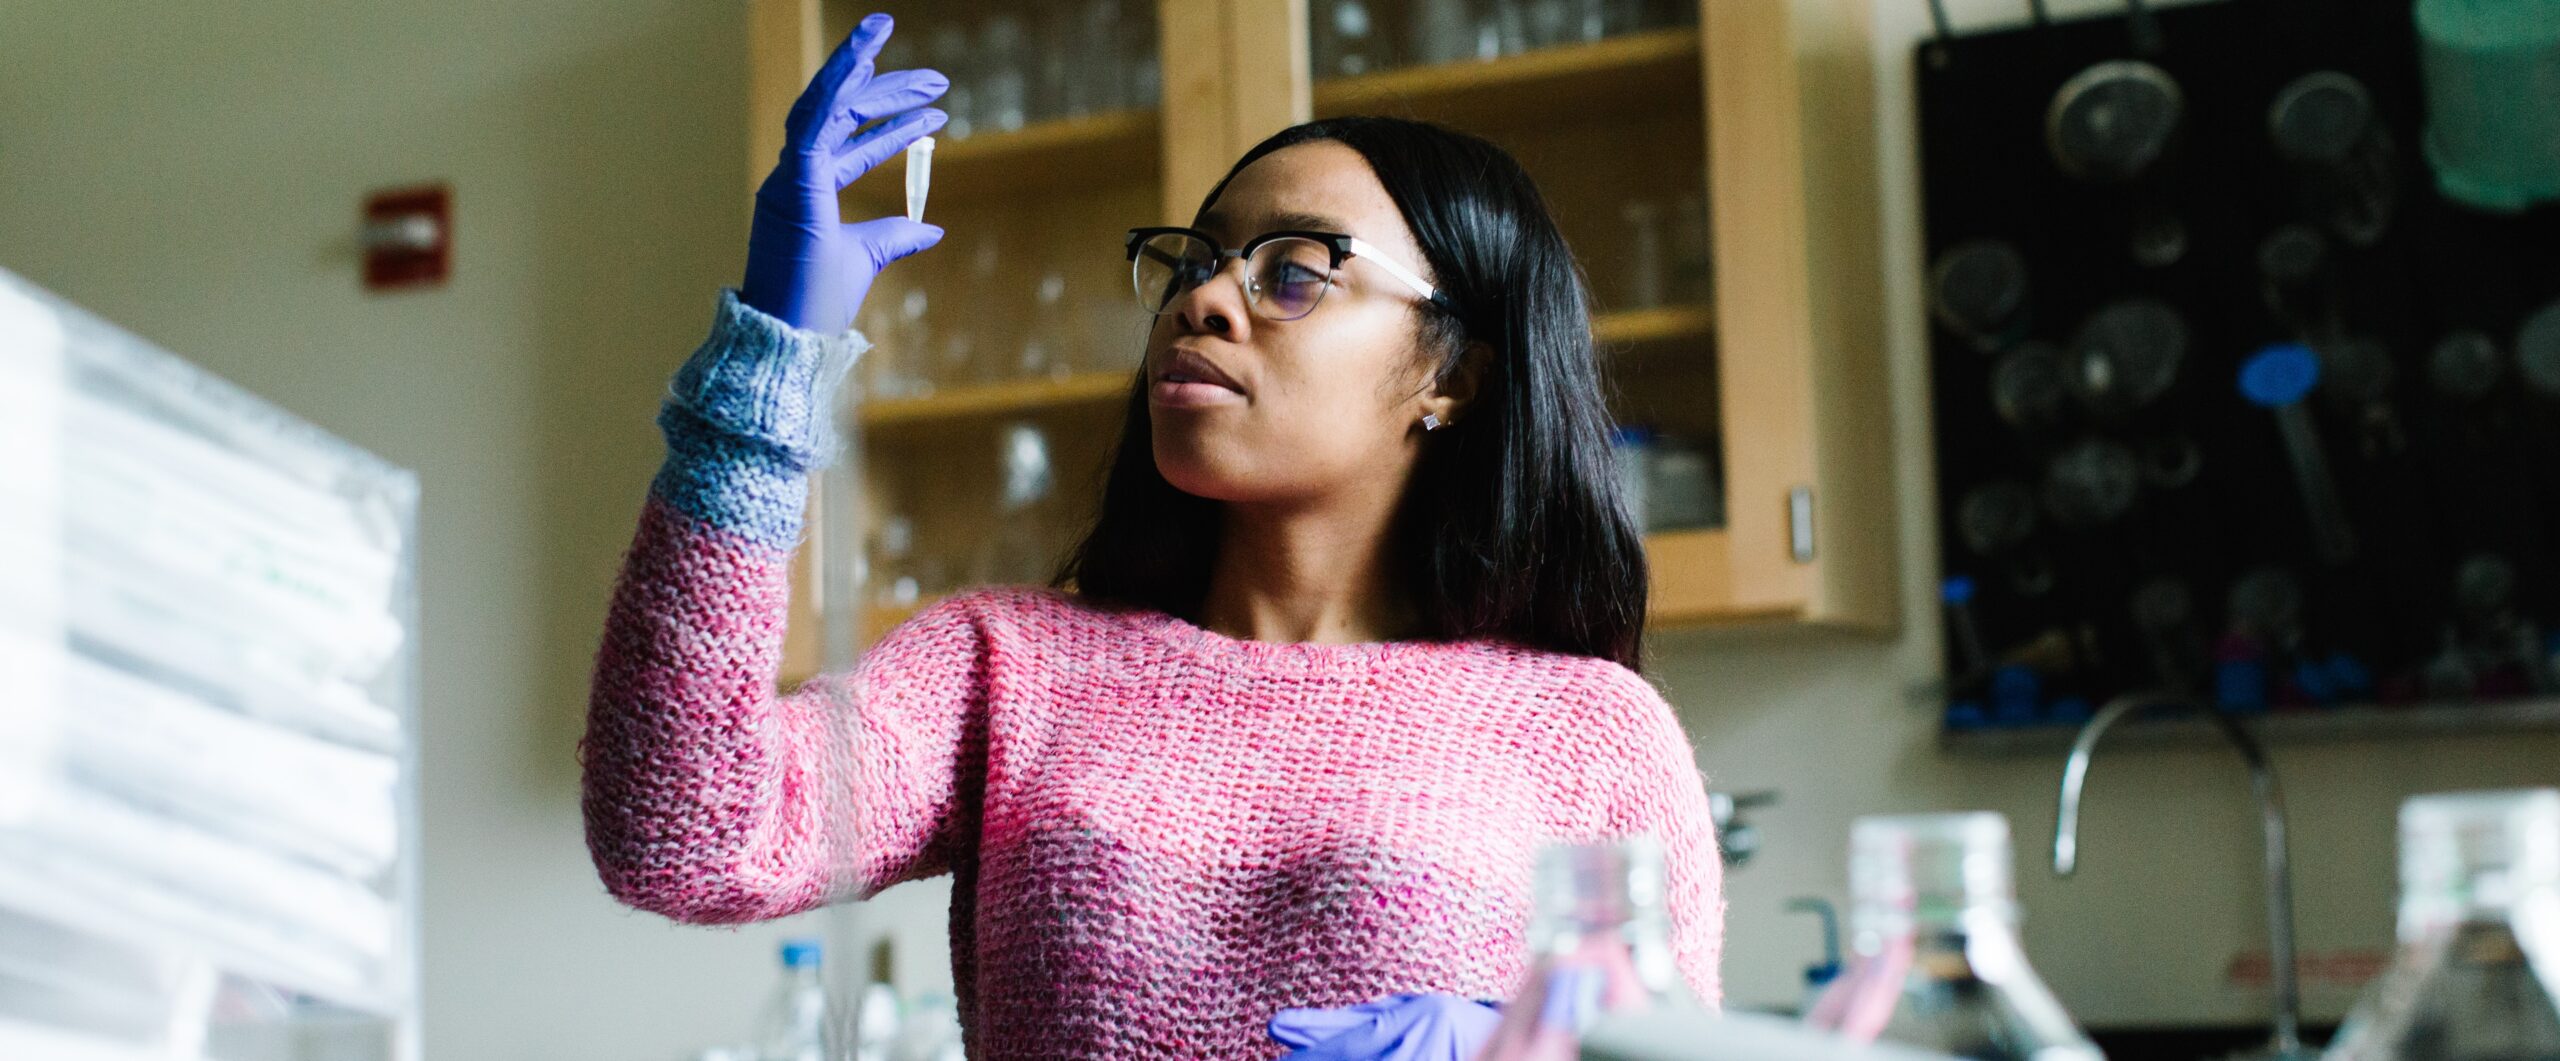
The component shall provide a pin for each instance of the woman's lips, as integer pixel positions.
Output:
(1188, 394)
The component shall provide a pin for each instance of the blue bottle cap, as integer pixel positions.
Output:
(2015, 693)
(799, 953)
(1967, 714)
(2349, 674)
(1957, 589)
(2279, 375)
(2240, 685)
(2313, 679)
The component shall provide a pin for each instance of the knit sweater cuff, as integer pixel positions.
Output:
(764, 381)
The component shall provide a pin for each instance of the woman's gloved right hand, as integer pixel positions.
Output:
(805, 266)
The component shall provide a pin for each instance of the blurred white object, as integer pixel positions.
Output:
(214, 855)
(793, 1025)
(1935, 957)
(2478, 972)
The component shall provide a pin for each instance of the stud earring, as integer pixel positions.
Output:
(1431, 422)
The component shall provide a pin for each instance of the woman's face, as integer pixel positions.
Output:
(1330, 400)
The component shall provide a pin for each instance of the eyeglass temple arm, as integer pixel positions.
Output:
(1361, 248)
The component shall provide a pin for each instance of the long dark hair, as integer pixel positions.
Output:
(1512, 528)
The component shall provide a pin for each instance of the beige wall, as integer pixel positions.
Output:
(192, 171)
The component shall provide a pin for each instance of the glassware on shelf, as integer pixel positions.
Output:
(1140, 66)
(1631, 450)
(1103, 71)
(1501, 29)
(952, 55)
(2477, 975)
(900, 359)
(980, 349)
(1548, 23)
(1021, 544)
(1057, 87)
(1681, 486)
(1936, 961)
(1646, 260)
(1049, 344)
(894, 580)
(1004, 78)
(1345, 41)
(1693, 251)
(1622, 16)
(1443, 31)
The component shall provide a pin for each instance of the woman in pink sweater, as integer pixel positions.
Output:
(1353, 636)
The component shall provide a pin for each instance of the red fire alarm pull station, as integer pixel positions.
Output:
(408, 238)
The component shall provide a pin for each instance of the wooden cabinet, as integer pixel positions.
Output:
(1762, 107)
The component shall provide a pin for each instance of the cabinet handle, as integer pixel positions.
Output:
(1800, 523)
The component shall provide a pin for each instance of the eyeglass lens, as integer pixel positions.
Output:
(1284, 278)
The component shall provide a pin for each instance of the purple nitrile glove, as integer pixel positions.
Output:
(805, 266)
(1394, 1028)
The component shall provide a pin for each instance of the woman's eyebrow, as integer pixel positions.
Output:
(1287, 219)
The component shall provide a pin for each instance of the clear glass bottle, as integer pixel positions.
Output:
(793, 1026)
(1004, 88)
(1935, 960)
(2477, 976)
(1345, 43)
(1021, 544)
(1602, 978)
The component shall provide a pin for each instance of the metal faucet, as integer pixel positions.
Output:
(2287, 1041)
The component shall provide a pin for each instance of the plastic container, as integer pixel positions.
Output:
(208, 659)
(793, 1024)
(2479, 916)
(1935, 959)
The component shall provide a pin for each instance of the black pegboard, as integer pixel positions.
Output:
(2428, 483)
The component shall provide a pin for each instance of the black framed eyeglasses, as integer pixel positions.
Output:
(1286, 273)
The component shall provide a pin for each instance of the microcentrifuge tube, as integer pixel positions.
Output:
(919, 176)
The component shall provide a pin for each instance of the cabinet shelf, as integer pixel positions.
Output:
(1658, 324)
(1595, 80)
(992, 400)
(1103, 390)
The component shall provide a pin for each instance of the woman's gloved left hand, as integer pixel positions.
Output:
(1394, 1028)
(804, 264)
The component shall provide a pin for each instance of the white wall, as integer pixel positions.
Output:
(2167, 888)
(192, 171)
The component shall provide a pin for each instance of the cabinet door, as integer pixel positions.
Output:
(1711, 163)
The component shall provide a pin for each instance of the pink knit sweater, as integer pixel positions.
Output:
(1159, 835)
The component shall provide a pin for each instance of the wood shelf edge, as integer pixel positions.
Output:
(1440, 80)
(981, 401)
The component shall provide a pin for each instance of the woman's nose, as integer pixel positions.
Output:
(1217, 306)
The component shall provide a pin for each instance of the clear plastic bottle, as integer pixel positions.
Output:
(2477, 976)
(880, 1018)
(793, 1026)
(1935, 960)
(1602, 968)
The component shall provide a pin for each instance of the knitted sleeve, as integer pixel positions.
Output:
(1661, 792)
(708, 797)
